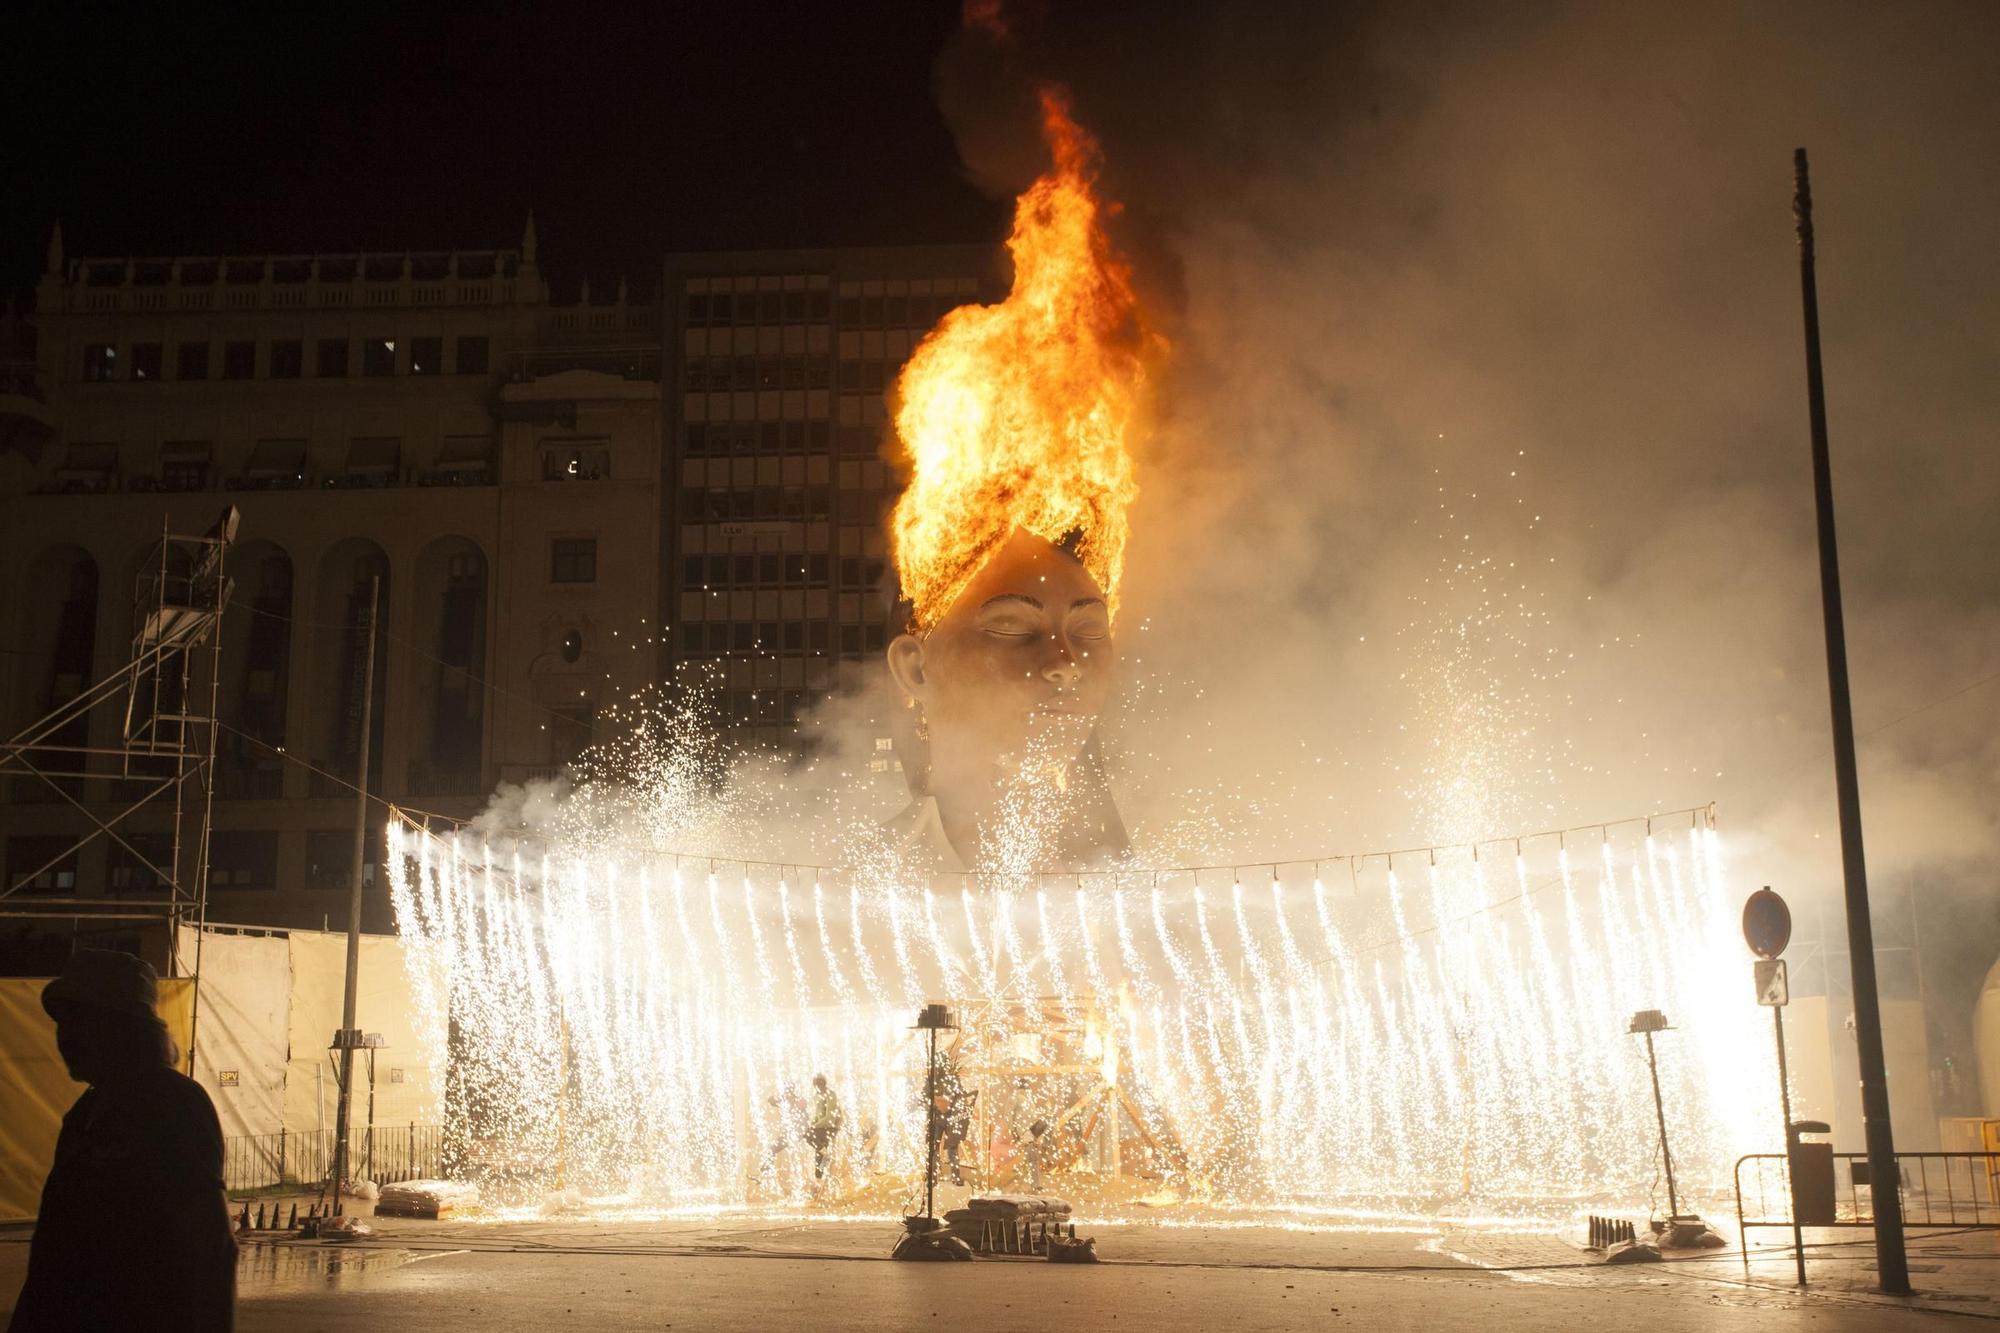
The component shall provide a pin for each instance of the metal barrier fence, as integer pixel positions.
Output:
(1939, 1189)
(381, 1153)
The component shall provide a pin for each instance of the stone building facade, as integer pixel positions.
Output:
(776, 566)
(562, 502)
(431, 420)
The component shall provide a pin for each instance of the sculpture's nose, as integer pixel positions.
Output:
(1063, 673)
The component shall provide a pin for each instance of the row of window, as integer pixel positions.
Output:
(724, 308)
(188, 465)
(238, 860)
(94, 466)
(772, 569)
(786, 504)
(720, 309)
(722, 373)
(780, 504)
(702, 439)
(727, 638)
(767, 706)
(285, 359)
(291, 270)
(371, 461)
(710, 439)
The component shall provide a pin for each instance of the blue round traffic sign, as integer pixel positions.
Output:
(1767, 923)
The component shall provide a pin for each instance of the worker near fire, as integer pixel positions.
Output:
(133, 1231)
(824, 1124)
(952, 1101)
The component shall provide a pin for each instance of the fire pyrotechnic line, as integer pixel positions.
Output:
(1016, 416)
(1456, 1050)
(1432, 1037)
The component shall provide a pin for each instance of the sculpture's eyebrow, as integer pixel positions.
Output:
(995, 600)
(1082, 602)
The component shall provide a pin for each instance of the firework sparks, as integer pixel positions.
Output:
(1017, 415)
(1464, 1054)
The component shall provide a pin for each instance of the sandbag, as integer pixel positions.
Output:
(1008, 1205)
(426, 1198)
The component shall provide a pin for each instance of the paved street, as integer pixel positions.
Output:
(757, 1274)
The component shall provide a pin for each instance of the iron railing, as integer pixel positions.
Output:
(1938, 1189)
(381, 1153)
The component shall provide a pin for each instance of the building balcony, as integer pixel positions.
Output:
(522, 774)
(430, 777)
(293, 481)
(462, 471)
(626, 363)
(204, 284)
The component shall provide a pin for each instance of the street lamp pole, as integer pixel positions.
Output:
(1660, 1110)
(348, 1036)
(1891, 1262)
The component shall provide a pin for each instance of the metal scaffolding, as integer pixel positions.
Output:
(167, 694)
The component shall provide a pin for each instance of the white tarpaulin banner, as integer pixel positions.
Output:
(270, 1004)
(403, 1082)
(242, 1028)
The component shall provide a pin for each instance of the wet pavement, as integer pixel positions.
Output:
(750, 1272)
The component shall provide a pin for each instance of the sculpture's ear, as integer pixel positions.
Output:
(906, 666)
(908, 736)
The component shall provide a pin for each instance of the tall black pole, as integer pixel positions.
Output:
(348, 1036)
(1891, 1263)
(1791, 1142)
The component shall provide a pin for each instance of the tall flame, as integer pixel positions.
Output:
(1017, 415)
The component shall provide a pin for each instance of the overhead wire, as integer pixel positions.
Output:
(1703, 815)
(335, 778)
(391, 637)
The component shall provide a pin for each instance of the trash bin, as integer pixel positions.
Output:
(1811, 1169)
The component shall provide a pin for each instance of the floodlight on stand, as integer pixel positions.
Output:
(1649, 1020)
(1682, 1230)
(925, 1237)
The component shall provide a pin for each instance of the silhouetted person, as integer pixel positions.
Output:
(133, 1232)
(825, 1123)
(953, 1121)
(790, 1104)
(1038, 1148)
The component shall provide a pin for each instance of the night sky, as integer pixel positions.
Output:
(1439, 276)
(630, 130)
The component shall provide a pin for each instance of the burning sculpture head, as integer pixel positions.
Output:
(1016, 416)
(1010, 537)
(1016, 672)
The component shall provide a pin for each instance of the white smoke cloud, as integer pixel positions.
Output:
(1479, 501)
(1481, 496)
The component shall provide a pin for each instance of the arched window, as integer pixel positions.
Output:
(451, 602)
(61, 643)
(256, 664)
(344, 575)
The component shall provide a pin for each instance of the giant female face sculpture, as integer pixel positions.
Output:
(1010, 536)
(1013, 679)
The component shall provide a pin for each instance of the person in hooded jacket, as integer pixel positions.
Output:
(133, 1232)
